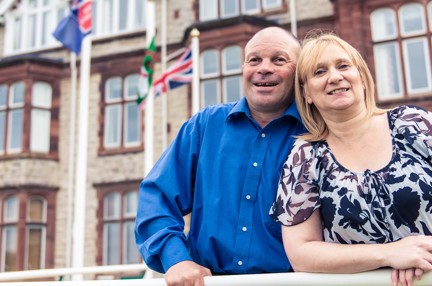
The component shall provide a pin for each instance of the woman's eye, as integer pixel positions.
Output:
(318, 72)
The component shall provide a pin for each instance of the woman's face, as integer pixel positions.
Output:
(334, 83)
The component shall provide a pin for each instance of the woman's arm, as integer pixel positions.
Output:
(307, 251)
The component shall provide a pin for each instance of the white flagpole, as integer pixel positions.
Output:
(164, 67)
(149, 121)
(81, 164)
(293, 17)
(195, 70)
(71, 162)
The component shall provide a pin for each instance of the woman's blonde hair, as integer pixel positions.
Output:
(312, 47)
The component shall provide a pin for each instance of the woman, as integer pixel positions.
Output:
(361, 178)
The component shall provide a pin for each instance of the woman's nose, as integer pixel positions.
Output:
(334, 76)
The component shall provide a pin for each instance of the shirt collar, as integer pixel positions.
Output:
(241, 107)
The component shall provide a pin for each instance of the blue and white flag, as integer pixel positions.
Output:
(75, 26)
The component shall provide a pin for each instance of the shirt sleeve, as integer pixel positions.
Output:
(165, 196)
(298, 194)
(415, 124)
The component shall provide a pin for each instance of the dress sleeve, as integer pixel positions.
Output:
(298, 193)
(165, 196)
(415, 125)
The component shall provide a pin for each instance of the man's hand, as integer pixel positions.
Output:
(186, 273)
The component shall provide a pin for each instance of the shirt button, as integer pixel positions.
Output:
(255, 164)
(248, 197)
(263, 135)
(240, 263)
(244, 228)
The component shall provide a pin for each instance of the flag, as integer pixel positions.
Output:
(178, 74)
(147, 70)
(75, 26)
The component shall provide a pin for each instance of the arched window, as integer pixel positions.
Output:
(401, 51)
(9, 254)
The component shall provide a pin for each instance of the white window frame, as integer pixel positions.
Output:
(43, 245)
(380, 74)
(218, 88)
(422, 19)
(208, 10)
(267, 5)
(225, 70)
(203, 63)
(225, 91)
(41, 124)
(234, 13)
(250, 12)
(375, 18)
(107, 26)
(426, 56)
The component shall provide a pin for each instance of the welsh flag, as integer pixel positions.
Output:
(146, 74)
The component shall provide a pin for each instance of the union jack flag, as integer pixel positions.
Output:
(178, 74)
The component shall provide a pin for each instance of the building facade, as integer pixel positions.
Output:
(36, 122)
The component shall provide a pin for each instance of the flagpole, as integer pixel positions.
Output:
(293, 17)
(71, 157)
(81, 164)
(195, 70)
(149, 121)
(164, 67)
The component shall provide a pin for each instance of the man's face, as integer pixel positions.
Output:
(269, 70)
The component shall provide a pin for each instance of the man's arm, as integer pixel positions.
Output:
(165, 196)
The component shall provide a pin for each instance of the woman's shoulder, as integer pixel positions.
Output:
(407, 112)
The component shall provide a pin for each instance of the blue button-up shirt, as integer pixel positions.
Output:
(224, 168)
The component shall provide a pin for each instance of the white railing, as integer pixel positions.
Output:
(61, 272)
(372, 278)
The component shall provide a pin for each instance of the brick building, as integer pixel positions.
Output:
(35, 103)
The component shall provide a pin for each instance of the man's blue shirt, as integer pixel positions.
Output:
(224, 168)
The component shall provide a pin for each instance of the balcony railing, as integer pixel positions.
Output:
(371, 278)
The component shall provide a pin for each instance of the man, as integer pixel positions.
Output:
(224, 167)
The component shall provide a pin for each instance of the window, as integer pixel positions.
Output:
(214, 9)
(35, 233)
(9, 255)
(40, 117)
(13, 118)
(31, 23)
(122, 124)
(401, 51)
(117, 16)
(119, 210)
(221, 84)
(24, 227)
(29, 26)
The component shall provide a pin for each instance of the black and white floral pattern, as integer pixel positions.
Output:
(370, 207)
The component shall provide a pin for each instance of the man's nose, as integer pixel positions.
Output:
(266, 66)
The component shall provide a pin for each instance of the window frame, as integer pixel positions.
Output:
(120, 190)
(23, 195)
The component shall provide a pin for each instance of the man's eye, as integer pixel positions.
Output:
(252, 61)
(280, 61)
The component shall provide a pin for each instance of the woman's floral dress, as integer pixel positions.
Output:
(370, 207)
